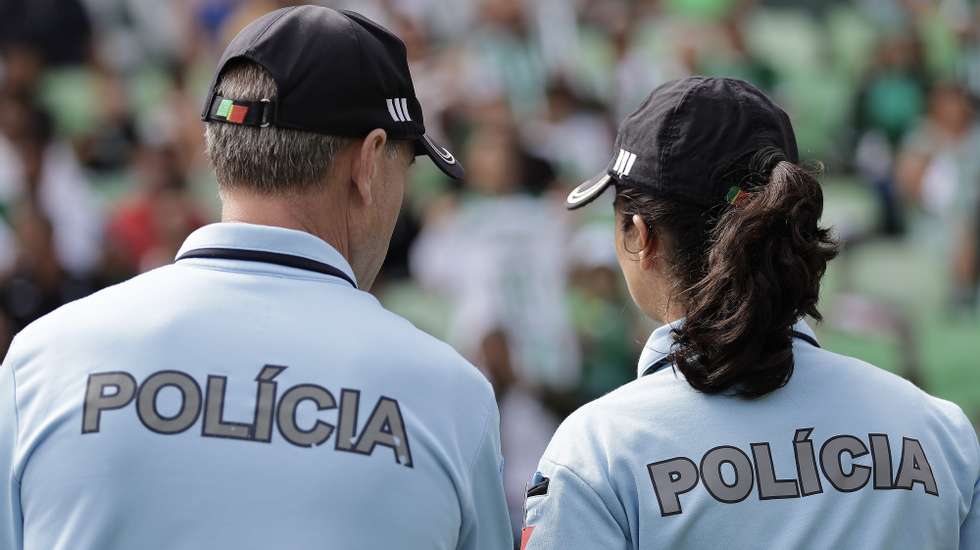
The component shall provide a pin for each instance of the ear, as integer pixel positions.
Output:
(647, 243)
(367, 161)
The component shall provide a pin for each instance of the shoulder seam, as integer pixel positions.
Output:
(574, 473)
(591, 488)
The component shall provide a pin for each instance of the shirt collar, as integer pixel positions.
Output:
(266, 238)
(658, 345)
(661, 342)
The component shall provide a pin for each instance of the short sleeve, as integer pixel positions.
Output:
(486, 520)
(11, 520)
(970, 528)
(563, 511)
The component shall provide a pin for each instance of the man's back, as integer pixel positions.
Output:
(241, 404)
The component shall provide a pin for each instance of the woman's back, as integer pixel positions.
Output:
(844, 456)
(741, 432)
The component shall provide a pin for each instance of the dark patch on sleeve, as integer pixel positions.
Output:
(539, 488)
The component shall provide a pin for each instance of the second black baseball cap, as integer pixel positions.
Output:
(684, 137)
(336, 73)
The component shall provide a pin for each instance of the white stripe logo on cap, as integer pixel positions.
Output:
(624, 163)
(442, 151)
(398, 109)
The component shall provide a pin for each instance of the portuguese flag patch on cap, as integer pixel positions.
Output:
(231, 112)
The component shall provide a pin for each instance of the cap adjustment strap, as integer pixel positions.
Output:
(247, 113)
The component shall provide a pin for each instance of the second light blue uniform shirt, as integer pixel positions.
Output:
(233, 404)
(844, 456)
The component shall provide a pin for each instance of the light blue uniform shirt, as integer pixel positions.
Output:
(845, 455)
(233, 404)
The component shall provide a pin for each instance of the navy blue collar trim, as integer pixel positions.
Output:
(287, 260)
(666, 361)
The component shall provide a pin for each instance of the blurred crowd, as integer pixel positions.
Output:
(102, 172)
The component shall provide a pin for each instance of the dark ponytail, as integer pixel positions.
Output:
(744, 272)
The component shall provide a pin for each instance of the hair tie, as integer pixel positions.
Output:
(736, 196)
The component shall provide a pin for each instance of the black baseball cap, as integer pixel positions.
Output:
(684, 137)
(336, 73)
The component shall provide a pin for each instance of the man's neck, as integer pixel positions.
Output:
(287, 212)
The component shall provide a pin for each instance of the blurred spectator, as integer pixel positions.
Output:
(148, 227)
(36, 167)
(60, 31)
(889, 103)
(939, 171)
(504, 60)
(22, 68)
(969, 62)
(499, 256)
(734, 58)
(37, 284)
(634, 71)
(601, 311)
(573, 134)
(132, 32)
(526, 426)
(110, 144)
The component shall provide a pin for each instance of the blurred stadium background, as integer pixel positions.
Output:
(102, 172)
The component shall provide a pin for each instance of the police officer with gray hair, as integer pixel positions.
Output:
(253, 394)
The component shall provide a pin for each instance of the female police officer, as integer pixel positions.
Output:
(741, 432)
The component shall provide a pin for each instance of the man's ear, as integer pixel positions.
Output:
(367, 161)
(646, 242)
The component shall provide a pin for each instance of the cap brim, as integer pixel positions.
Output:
(441, 156)
(588, 191)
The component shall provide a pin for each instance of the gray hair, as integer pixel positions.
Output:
(267, 160)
